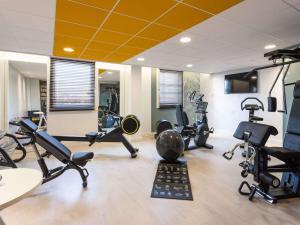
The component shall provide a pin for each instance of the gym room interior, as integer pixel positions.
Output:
(149, 112)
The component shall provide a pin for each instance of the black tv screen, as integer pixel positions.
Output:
(241, 83)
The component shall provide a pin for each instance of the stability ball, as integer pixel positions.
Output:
(170, 145)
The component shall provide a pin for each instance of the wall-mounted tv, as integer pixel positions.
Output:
(241, 83)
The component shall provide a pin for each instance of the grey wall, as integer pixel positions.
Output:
(292, 76)
(191, 82)
(159, 114)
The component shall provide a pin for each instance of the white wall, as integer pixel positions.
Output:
(224, 112)
(146, 101)
(139, 91)
(17, 94)
(33, 94)
(3, 92)
(76, 123)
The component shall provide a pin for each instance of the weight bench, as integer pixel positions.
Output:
(53, 147)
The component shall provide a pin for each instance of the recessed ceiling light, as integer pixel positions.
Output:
(109, 72)
(141, 59)
(270, 46)
(185, 39)
(189, 65)
(68, 49)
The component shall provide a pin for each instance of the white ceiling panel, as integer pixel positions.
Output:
(33, 35)
(39, 47)
(44, 8)
(8, 43)
(23, 20)
(28, 26)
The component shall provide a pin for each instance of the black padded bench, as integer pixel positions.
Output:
(53, 147)
(259, 133)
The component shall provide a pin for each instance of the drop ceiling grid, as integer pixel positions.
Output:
(149, 30)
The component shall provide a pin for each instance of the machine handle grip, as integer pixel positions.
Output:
(227, 155)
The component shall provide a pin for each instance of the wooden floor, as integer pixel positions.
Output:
(119, 190)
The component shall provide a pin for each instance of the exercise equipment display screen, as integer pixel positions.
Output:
(241, 83)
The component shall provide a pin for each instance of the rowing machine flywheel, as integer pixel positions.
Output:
(130, 124)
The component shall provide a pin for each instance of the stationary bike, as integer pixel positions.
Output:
(199, 130)
(201, 124)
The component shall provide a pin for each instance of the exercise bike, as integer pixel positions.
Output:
(200, 130)
(201, 124)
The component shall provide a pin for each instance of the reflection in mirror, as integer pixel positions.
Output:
(27, 93)
(109, 98)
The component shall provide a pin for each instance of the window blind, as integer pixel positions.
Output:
(170, 88)
(72, 85)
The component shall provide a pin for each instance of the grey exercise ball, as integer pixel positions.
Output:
(170, 145)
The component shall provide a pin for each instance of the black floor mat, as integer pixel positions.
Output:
(172, 182)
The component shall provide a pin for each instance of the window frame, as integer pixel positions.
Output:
(158, 103)
(52, 88)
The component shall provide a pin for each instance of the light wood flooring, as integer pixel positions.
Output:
(119, 191)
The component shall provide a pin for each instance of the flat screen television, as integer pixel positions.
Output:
(241, 83)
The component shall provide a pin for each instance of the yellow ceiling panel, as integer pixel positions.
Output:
(111, 37)
(94, 55)
(74, 30)
(130, 50)
(102, 46)
(148, 10)
(140, 42)
(158, 32)
(118, 57)
(212, 6)
(183, 17)
(102, 4)
(61, 42)
(127, 31)
(80, 14)
(70, 42)
(58, 51)
(123, 24)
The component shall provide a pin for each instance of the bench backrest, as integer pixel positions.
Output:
(292, 136)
